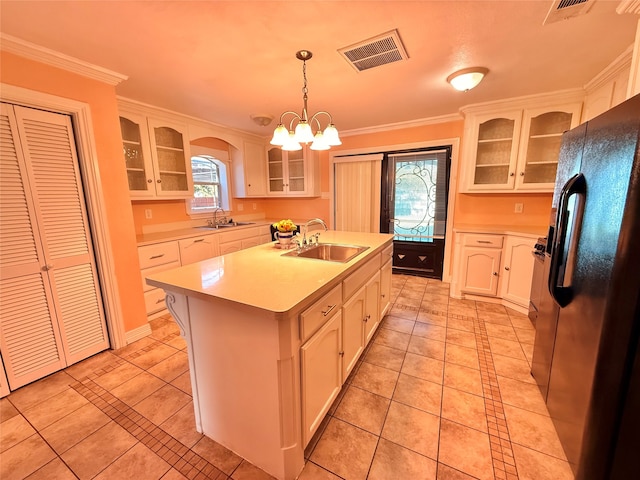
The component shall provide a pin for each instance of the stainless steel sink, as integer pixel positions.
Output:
(226, 225)
(332, 252)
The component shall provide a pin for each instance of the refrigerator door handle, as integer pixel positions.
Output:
(568, 223)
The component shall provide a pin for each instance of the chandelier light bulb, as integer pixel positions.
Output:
(280, 135)
(291, 144)
(291, 140)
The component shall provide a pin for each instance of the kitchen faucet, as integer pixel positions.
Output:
(306, 228)
(214, 222)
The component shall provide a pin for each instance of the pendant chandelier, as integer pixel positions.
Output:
(290, 138)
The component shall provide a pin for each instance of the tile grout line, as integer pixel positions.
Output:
(502, 457)
(175, 453)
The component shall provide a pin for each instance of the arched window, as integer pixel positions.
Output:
(206, 184)
(209, 173)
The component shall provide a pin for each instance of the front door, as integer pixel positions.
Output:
(414, 208)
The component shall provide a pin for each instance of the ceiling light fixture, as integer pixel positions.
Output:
(262, 119)
(290, 139)
(467, 78)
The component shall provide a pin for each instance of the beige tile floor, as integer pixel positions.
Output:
(443, 391)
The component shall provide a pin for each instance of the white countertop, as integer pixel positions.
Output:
(170, 235)
(523, 230)
(261, 277)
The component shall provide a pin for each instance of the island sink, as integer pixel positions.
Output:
(332, 252)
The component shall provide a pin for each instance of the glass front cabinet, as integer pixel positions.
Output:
(516, 150)
(156, 155)
(293, 173)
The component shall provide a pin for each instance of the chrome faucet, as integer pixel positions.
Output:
(214, 222)
(306, 228)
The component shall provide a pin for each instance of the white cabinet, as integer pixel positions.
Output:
(239, 239)
(322, 358)
(157, 158)
(293, 173)
(196, 249)
(336, 329)
(385, 288)
(517, 149)
(517, 270)
(372, 307)
(479, 265)
(498, 266)
(249, 170)
(353, 316)
(153, 259)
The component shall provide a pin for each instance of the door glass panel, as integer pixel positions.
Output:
(419, 196)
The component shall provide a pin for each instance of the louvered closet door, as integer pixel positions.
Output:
(64, 260)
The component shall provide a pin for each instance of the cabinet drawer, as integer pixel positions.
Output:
(357, 278)
(158, 254)
(492, 241)
(317, 314)
(154, 300)
(386, 255)
(160, 268)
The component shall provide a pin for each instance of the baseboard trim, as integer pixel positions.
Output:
(138, 333)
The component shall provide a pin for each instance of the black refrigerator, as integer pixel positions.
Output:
(593, 393)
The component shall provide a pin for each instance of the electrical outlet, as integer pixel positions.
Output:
(240, 207)
(519, 208)
(148, 214)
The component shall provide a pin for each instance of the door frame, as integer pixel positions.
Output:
(80, 114)
(334, 157)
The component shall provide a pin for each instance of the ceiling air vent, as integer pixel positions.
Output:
(566, 9)
(376, 51)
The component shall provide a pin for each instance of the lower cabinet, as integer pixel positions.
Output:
(157, 257)
(517, 270)
(385, 288)
(480, 268)
(496, 266)
(196, 249)
(344, 321)
(372, 316)
(353, 314)
(321, 368)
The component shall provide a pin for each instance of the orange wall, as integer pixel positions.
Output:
(477, 209)
(101, 98)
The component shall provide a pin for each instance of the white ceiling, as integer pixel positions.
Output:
(226, 60)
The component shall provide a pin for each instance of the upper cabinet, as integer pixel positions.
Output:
(156, 154)
(293, 173)
(249, 174)
(515, 150)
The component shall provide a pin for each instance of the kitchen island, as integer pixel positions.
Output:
(271, 339)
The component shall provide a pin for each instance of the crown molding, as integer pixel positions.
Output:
(622, 62)
(47, 56)
(401, 125)
(540, 99)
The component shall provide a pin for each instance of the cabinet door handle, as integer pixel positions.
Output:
(383, 295)
(495, 274)
(153, 257)
(484, 241)
(522, 174)
(366, 319)
(341, 354)
(511, 174)
(506, 268)
(47, 267)
(149, 180)
(198, 240)
(327, 312)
